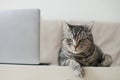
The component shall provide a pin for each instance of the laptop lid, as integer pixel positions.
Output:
(20, 36)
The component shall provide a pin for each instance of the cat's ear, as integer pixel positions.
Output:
(90, 25)
(66, 27)
(70, 26)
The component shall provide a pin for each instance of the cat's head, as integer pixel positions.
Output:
(77, 38)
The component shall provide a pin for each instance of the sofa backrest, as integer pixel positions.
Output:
(50, 40)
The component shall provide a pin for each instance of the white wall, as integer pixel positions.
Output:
(99, 10)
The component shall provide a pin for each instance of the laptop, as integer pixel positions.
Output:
(20, 36)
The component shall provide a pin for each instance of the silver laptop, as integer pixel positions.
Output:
(20, 36)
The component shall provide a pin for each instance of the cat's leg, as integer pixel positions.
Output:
(77, 69)
(106, 61)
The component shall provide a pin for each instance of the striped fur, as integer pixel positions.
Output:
(78, 49)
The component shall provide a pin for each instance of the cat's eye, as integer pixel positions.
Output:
(81, 40)
(69, 40)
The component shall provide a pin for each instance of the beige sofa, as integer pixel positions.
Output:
(106, 36)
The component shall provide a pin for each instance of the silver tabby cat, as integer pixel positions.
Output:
(78, 50)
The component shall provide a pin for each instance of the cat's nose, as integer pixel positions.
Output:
(75, 46)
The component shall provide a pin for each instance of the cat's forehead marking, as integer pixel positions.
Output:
(77, 30)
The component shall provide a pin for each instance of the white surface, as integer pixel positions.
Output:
(98, 10)
(29, 72)
(20, 36)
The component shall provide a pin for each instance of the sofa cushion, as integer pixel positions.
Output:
(106, 36)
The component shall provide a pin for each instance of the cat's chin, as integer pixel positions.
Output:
(75, 52)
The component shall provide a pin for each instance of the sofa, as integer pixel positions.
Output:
(106, 36)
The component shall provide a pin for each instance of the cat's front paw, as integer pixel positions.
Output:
(79, 72)
(106, 61)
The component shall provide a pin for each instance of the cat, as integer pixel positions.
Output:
(78, 49)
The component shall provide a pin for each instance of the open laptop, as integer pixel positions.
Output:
(20, 36)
